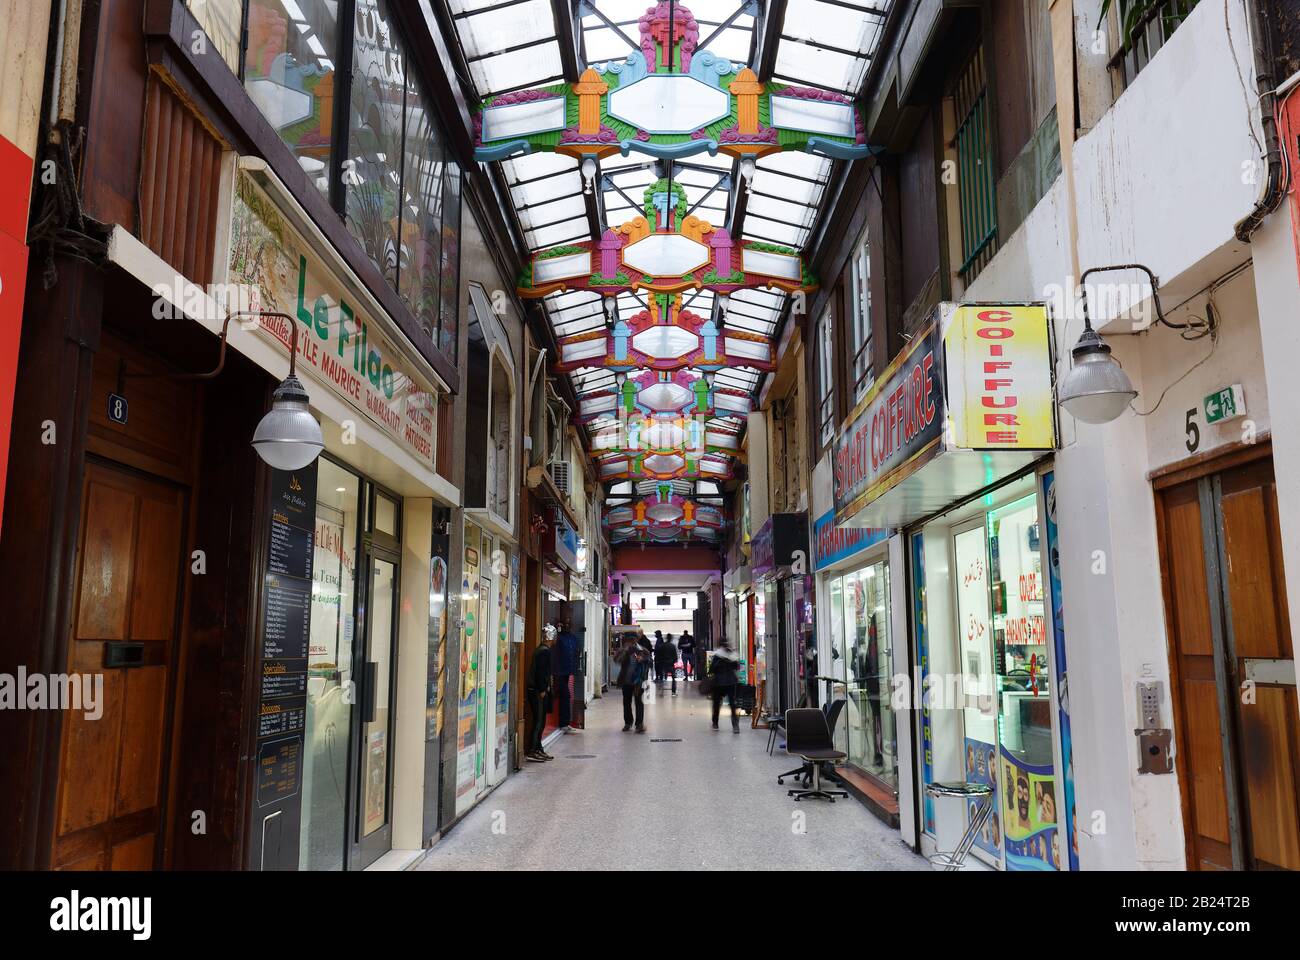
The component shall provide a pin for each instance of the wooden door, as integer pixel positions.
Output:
(1234, 669)
(111, 769)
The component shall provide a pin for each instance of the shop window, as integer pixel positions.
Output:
(423, 165)
(386, 515)
(859, 309)
(862, 660)
(500, 471)
(825, 379)
(372, 170)
(289, 73)
(985, 645)
(449, 311)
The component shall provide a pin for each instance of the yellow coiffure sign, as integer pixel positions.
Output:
(999, 369)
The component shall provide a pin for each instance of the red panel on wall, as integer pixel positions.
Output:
(15, 168)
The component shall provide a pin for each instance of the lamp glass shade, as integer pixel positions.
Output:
(288, 437)
(1096, 390)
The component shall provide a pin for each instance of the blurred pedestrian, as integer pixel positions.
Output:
(723, 669)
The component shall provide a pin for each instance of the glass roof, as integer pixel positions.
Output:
(512, 45)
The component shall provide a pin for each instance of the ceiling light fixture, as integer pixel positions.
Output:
(748, 167)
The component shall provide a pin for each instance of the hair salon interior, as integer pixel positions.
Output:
(338, 376)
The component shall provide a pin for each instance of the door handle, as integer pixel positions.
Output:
(372, 675)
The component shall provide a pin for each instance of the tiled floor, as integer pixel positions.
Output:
(614, 800)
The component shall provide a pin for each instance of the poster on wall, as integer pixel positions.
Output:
(467, 695)
(376, 778)
(502, 726)
(975, 640)
(1029, 815)
(435, 677)
(982, 767)
(1062, 686)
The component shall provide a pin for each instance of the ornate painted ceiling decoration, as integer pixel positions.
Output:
(665, 338)
(666, 251)
(664, 516)
(670, 100)
(651, 393)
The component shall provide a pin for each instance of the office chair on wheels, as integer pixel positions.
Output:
(804, 771)
(808, 736)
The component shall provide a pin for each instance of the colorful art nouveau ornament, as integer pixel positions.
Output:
(670, 100)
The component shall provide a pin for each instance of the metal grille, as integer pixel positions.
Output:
(1144, 27)
(976, 193)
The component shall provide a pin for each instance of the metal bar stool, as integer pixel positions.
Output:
(965, 791)
(774, 724)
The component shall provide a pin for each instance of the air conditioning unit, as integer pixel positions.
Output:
(559, 471)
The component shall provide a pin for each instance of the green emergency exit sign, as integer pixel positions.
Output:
(1225, 404)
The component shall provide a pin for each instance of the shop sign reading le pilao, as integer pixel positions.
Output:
(977, 378)
(341, 345)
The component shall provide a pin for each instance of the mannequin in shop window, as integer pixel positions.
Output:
(810, 673)
(871, 680)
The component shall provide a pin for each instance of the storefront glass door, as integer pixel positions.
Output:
(1024, 702)
(323, 838)
(377, 732)
(982, 632)
(351, 674)
(871, 737)
(974, 639)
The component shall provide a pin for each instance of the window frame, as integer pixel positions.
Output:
(859, 330)
(824, 355)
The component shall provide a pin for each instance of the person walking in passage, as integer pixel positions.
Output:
(665, 661)
(564, 666)
(686, 646)
(539, 689)
(634, 665)
(723, 669)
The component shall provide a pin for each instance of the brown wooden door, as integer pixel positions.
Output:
(1234, 668)
(111, 770)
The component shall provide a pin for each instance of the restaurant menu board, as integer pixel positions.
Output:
(282, 707)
